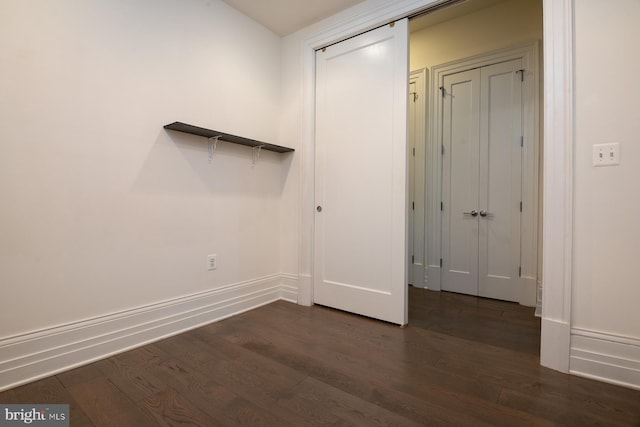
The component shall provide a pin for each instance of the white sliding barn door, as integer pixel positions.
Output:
(482, 180)
(361, 174)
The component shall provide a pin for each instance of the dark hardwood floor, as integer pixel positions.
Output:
(461, 361)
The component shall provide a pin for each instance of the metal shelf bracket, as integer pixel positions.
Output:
(255, 151)
(213, 144)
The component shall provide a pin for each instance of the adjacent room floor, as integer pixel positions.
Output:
(461, 361)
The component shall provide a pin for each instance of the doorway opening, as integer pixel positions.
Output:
(498, 251)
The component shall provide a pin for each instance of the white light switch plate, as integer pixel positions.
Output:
(606, 154)
(212, 262)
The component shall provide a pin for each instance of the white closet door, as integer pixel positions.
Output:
(482, 181)
(460, 176)
(500, 180)
(361, 174)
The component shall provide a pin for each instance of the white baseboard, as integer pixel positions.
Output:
(605, 357)
(39, 354)
(289, 288)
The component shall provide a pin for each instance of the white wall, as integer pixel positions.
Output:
(102, 210)
(606, 284)
(291, 136)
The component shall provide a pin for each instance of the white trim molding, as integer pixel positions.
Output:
(39, 354)
(557, 202)
(539, 299)
(417, 164)
(289, 288)
(305, 290)
(604, 357)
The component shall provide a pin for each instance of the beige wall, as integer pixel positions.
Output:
(502, 25)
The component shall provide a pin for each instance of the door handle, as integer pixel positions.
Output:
(472, 213)
(484, 213)
(319, 208)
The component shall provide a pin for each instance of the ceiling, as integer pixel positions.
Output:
(284, 17)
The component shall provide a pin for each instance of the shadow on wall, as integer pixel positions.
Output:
(178, 164)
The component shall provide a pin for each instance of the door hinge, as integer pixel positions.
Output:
(519, 271)
(442, 89)
(414, 151)
(521, 71)
(412, 260)
(442, 149)
(520, 206)
(413, 206)
(522, 141)
(441, 206)
(440, 262)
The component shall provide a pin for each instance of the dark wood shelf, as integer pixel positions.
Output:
(209, 133)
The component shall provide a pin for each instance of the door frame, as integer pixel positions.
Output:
(417, 179)
(558, 143)
(528, 53)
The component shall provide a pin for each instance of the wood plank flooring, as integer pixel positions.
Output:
(462, 361)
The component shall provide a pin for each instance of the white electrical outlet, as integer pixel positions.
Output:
(606, 154)
(212, 263)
